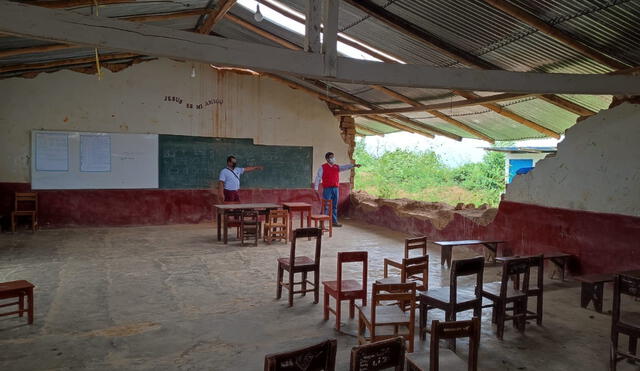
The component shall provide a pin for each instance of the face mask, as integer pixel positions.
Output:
(332, 160)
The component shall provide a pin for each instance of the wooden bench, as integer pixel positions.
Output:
(18, 289)
(593, 289)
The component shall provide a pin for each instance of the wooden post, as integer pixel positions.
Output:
(330, 36)
(312, 27)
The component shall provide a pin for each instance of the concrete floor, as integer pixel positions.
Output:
(173, 298)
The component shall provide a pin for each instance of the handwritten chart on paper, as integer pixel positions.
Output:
(95, 153)
(52, 152)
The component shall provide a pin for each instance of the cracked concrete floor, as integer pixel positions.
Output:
(173, 298)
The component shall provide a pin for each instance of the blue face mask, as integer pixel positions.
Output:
(332, 160)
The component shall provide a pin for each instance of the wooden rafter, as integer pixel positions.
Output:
(435, 106)
(436, 113)
(462, 56)
(66, 62)
(61, 4)
(513, 116)
(214, 15)
(556, 33)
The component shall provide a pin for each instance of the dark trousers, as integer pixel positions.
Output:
(231, 196)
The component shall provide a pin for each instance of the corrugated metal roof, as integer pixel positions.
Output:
(470, 25)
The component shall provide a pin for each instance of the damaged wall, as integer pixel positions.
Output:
(596, 167)
(583, 202)
(155, 97)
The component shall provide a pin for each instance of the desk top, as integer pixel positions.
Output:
(466, 242)
(296, 204)
(549, 255)
(15, 285)
(246, 206)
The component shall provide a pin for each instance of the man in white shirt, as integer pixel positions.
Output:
(229, 180)
(329, 175)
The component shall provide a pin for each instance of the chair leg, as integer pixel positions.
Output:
(633, 345)
(13, 223)
(500, 312)
(423, 321)
(326, 304)
(539, 310)
(338, 314)
(352, 308)
(330, 228)
(291, 288)
(280, 276)
(613, 364)
(30, 302)
(316, 285)
(21, 305)
(304, 283)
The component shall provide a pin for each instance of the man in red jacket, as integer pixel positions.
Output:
(329, 174)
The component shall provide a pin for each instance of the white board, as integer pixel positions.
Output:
(93, 160)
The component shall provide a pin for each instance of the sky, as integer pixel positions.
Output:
(451, 152)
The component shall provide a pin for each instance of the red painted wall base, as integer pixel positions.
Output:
(59, 208)
(601, 242)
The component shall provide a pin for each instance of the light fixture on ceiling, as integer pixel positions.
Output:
(193, 71)
(258, 16)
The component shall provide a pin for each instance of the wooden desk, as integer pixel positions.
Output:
(447, 248)
(592, 287)
(300, 207)
(223, 208)
(18, 289)
(559, 259)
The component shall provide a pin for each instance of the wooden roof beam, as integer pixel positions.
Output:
(437, 114)
(556, 33)
(213, 16)
(513, 116)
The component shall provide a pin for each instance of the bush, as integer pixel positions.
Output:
(422, 175)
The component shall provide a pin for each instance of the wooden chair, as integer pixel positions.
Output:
(301, 264)
(26, 204)
(324, 216)
(414, 243)
(448, 359)
(276, 226)
(318, 357)
(346, 289)
(20, 290)
(381, 355)
(378, 315)
(450, 299)
(250, 227)
(411, 270)
(630, 326)
(501, 295)
(231, 220)
(536, 290)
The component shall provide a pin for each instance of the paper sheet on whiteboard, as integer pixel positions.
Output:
(95, 153)
(52, 152)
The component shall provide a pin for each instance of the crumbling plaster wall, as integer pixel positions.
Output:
(596, 169)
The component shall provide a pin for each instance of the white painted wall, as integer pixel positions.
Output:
(132, 100)
(597, 167)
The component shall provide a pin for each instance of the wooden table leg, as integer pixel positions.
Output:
(301, 218)
(225, 229)
(445, 255)
(493, 252)
(561, 264)
(309, 217)
(219, 224)
(30, 300)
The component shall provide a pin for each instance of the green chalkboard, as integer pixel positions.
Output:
(188, 162)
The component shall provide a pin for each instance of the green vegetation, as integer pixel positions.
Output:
(421, 175)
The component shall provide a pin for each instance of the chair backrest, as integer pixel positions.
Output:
(318, 357)
(466, 267)
(249, 216)
(26, 201)
(623, 285)
(326, 206)
(537, 262)
(353, 257)
(404, 293)
(415, 243)
(513, 267)
(306, 233)
(454, 330)
(380, 355)
(278, 216)
(417, 270)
